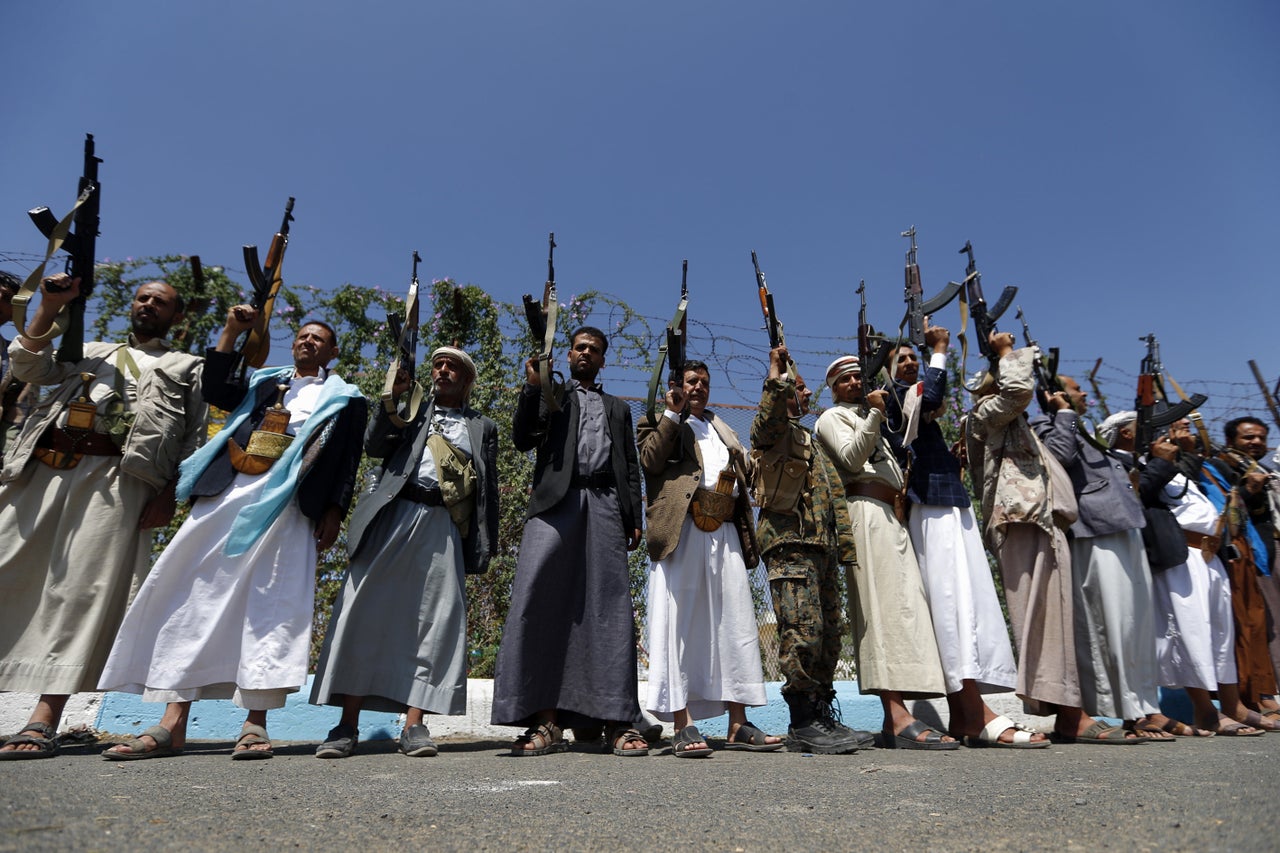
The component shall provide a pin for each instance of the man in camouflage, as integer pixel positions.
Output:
(804, 536)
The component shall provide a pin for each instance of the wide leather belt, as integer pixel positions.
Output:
(418, 493)
(59, 448)
(594, 480)
(1207, 543)
(86, 443)
(880, 492)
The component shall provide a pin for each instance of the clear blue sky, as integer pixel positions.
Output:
(1117, 161)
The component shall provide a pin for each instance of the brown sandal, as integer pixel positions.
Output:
(545, 738)
(621, 736)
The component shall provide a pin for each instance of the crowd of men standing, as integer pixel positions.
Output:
(1120, 574)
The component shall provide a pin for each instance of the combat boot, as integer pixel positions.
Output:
(810, 731)
(829, 711)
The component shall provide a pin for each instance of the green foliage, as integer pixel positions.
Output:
(493, 333)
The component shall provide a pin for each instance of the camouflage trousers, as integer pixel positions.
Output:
(805, 585)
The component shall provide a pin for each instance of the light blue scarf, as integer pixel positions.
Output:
(282, 480)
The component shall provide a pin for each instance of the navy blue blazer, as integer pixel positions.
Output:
(934, 476)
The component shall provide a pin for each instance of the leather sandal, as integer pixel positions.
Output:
(544, 738)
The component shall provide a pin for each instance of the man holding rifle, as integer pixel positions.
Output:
(397, 638)
(93, 470)
(973, 640)
(226, 613)
(805, 536)
(1114, 607)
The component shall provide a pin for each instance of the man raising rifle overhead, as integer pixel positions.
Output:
(92, 471)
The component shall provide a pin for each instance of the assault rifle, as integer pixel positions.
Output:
(774, 326)
(542, 326)
(672, 347)
(80, 245)
(873, 348)
(405, 333)
(917, 306)
(1152, 415)
(1045, 366)
(984, 318)
(266, 282)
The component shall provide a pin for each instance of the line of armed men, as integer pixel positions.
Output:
(1132, 557)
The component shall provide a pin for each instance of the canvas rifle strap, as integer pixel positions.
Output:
(655, 380)
(964, 336)
(32, 285)
(389, 402)
(552, 306)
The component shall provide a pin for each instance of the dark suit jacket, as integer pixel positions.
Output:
(402, 448)
(934, 476)
(330, 480)
(1108, 503)
(555, 436)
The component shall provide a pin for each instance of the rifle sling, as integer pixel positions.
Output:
(388, 384)
(30, 287)
(552, 306)
(655, 380)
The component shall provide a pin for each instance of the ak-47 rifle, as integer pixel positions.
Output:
(873, 348)
(917, 306)
(984, 318)
(405, 333)
(1045, 366)
(1267, 395)
(266, 282)
(672, 348)
(80, 245)
(542, 325)
(1151, 392)
(777, 338)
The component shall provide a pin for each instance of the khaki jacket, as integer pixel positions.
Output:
(169, 415)
(669, 487)
(1014, 482)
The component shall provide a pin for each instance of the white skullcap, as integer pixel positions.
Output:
(842, 365)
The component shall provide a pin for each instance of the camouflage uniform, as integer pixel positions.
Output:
(802, 551)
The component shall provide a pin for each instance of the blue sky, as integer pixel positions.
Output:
(1117, 161)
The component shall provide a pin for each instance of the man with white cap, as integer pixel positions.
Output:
(397, 637)
(895, 647)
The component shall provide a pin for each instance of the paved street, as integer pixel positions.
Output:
(1214, 794)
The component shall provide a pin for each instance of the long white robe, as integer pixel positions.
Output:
(208, 626)
(1195, 634)
(704, 644)
(973, 640)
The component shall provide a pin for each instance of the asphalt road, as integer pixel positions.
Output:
(1212, 794)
